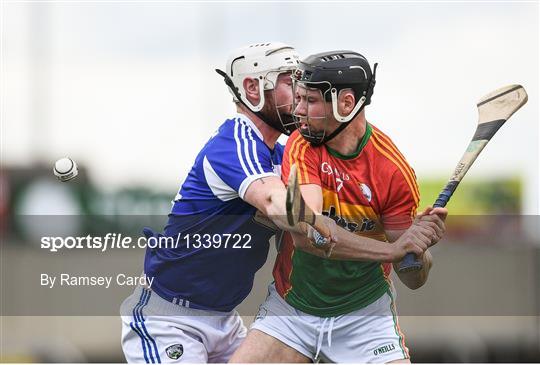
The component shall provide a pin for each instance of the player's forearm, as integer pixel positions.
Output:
(275, 210)
(349, 246)
(268, 195)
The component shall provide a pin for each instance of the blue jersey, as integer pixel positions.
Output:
(201, 270)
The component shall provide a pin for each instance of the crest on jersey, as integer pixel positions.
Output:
(175, 351)
(366, 191)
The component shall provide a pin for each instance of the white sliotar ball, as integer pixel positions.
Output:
(65, 169)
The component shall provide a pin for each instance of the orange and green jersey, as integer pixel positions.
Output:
(368, 192)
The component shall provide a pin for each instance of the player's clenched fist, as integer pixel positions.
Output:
(437, 216)
(426, 230)
(416, 239)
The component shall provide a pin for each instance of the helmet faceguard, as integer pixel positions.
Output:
(263, 62)
(331, 73)
(311, 118)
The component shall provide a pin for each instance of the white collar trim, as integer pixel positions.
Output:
(252, 125)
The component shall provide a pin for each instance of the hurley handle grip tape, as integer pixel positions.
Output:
(410, 261)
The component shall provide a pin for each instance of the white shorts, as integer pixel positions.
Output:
(155, 331)
(368, 335)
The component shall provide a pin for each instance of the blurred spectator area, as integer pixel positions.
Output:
(36, 192)
(480, 211)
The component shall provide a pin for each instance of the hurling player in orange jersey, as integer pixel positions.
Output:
(337, 309)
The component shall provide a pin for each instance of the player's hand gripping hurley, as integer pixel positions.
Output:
(298, 211)
(494, 110)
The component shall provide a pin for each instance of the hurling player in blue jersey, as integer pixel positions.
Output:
(219, 227)
(223, 243)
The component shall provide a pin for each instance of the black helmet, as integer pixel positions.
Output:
(341, 69)
(334, 71)
(337, 70)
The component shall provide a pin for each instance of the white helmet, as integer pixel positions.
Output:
(263, 61)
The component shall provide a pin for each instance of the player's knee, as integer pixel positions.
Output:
(260, 347)
(249, 350)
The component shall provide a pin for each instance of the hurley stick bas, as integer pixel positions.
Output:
(494, 110)
(299, 211)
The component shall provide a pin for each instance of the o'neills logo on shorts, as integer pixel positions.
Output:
(384, 349)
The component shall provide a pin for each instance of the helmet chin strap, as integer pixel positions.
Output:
(314, 139)
(231, 86)
(342, 125)
(352, 114)
(338, 130)
(345, 121)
